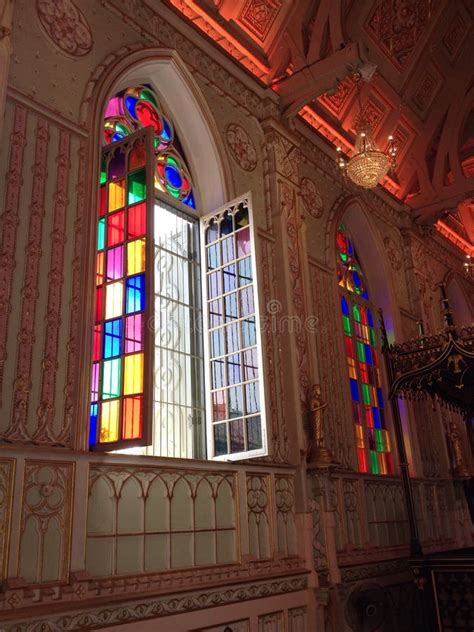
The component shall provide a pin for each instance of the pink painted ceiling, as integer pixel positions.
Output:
(422, 90)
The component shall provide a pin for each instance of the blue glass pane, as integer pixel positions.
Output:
(190, 200)
(112, 338)
(380, 398)
(370, 320)
(365, 294)
(173, 176)
(93, 424)
(130, 103)
(135, 294)
(345, 307)
(368, 354)
(354, 390)
(356, 279)
(377, 420)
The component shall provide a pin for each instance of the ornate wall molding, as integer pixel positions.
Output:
(73, 347)
(10, 221)
(311, 197)
(65, 26)
(259, 516)
(121, 613)
(293, 223)
(18, 430)
(154, 27)
(272, 347)
(241, 147)
(7, 468)
(46, 411)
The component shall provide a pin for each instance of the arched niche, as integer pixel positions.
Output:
(462, 310)
(184, 102)
(372, 256)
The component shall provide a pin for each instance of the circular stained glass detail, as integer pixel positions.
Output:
(137, 108)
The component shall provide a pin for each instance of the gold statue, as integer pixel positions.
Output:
(317, 452)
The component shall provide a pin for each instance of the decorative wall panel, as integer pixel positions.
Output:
(46, 521)
(150, 519)
(285, 517)
(271, 622)
(6, 490)
(297, 618)
(40, 201)
(259, 515)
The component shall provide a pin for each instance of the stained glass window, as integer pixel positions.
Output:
(139, 107)
(363, 362)
(118, 400)
(148, 385)
(235, 394)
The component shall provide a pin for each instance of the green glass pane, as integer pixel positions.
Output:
(372, 336)
(136, 186)
(374, 462)
(356, 312)
(379, 443)
(111, 382)
(347, 325)
(103, 172)
(101, 234)
(360, 351)
(366, 394)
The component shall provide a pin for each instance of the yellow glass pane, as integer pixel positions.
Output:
(114, 300)
(136, 256)
(386, 440)
(359, 431)
(382, 463)
(133, 374)
(109, 421)
(116, 195)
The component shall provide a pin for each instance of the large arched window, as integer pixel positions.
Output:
(363, 361)
(170, 324)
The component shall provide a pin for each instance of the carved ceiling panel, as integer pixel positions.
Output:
(307, 50)
(398, 26)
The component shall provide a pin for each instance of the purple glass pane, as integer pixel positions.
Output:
(115, 263)
(243, 242)
(134, 333)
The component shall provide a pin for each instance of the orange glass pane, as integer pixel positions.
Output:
(136, 256)
(109, 421)
(100, 268)
(133, 374)
(132, 417)
(382, 463)
(116, 195)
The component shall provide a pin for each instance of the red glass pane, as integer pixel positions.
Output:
(98, 304)
(137, 157)
(137, 221)
(147, 115)
(369, 417)
(97, 351)
(102, 203)
(132, 417)
(349, 347)
(361, 458)
(116, 228)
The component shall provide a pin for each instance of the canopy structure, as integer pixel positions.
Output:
(440, 365)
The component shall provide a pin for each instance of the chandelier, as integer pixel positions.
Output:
(368, 164)
(469, 267)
